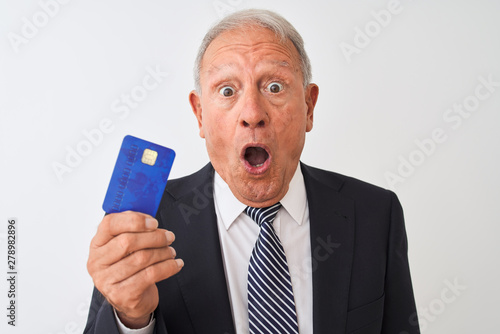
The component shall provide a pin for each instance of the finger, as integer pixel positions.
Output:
(150, 275)
(117, 223)
(136, 262)
(125, 244)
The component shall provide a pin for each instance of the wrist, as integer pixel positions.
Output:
(134, 323)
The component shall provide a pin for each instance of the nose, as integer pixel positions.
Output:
(253, 110)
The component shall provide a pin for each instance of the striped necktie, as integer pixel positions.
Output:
(271, 307)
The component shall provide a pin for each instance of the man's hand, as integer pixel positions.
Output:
(128, 255)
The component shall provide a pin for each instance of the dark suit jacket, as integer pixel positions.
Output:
(361, 278)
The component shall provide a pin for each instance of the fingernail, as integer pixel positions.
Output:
(151, 223)
(172, 250)
(170, 236)
(180, 263)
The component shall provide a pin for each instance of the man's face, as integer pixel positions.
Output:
(253, 112)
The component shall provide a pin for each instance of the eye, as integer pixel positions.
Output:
(226, 91)
(275, 87)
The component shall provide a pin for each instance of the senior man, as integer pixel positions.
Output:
(263, 242)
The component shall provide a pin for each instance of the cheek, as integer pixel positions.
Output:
(293, 127)
(218, 132)
(294, 120)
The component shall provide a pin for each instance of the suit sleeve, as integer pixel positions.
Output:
(400, 315)
(101, 319)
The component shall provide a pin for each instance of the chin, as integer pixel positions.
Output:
(261, 191)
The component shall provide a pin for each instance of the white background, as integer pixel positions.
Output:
(64, 78)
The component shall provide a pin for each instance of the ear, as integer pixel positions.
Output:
(195, 101)
(311, 96)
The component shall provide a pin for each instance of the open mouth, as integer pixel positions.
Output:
(256, 156)
(257, 159)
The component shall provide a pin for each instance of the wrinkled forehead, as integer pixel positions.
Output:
(249, 40)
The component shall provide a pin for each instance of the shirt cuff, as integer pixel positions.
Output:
(125, 330)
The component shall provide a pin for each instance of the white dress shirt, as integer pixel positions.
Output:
(238, 234)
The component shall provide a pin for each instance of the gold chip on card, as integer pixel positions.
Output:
(149, 157)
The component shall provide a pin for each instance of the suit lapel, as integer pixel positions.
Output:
(191, 216)
(332, 239)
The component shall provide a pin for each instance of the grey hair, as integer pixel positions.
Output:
(261, 18)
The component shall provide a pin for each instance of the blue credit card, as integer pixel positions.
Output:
(139, 178)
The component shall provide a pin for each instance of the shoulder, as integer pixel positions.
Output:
(346, 185)
(200, 180)
(188, 194)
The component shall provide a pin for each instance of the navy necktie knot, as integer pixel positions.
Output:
(261, 215)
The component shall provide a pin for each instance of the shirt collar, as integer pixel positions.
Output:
(229, 207)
